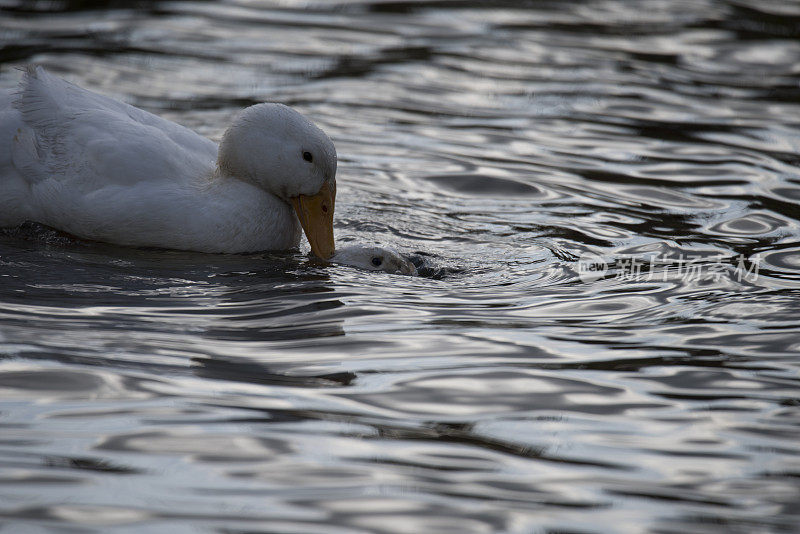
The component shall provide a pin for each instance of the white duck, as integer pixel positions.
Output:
(104, 170)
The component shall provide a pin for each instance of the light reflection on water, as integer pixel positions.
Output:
(150, 390)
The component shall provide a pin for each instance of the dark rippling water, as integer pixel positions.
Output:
(514, 390)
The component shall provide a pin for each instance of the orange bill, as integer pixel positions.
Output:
(316, 217)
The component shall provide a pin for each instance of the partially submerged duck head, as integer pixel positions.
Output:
(374, 258)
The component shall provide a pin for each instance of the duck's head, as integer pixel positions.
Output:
(279, 150)
(374, 258)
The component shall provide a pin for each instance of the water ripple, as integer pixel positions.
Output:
(503, 391)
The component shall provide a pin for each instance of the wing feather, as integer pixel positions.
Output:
(91, 140)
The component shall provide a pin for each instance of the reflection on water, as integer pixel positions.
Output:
(503, 390)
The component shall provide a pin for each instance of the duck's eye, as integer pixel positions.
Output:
(308, 156)
(376, 261)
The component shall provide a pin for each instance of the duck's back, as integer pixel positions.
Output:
(60, 141)
(84, 135)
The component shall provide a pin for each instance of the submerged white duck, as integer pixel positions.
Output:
(374, 258)
(103, 170)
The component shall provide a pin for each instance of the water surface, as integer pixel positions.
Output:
(512, 390)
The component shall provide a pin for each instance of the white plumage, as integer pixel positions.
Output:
(374, 258)
(104, 170)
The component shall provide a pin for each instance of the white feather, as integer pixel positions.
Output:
(374, 258)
